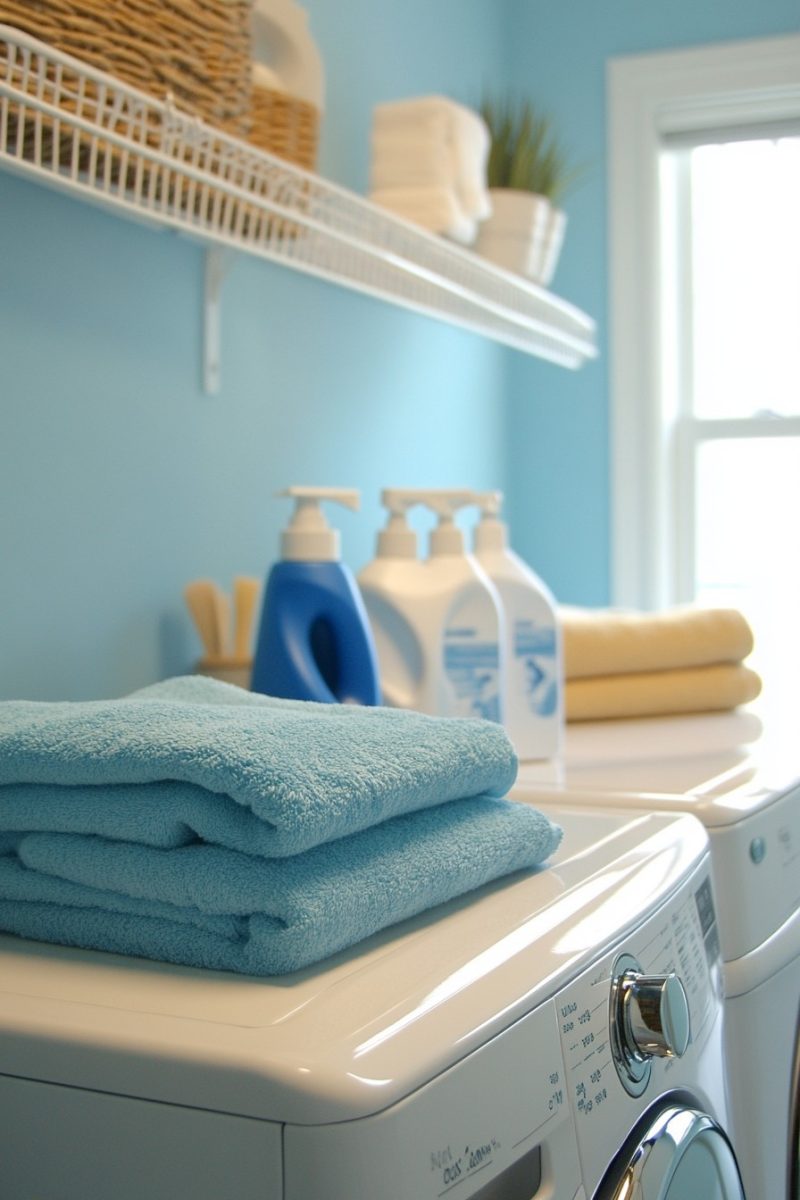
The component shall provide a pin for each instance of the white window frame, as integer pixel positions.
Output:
(649, 96)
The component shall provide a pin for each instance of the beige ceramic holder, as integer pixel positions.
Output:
(228, 670)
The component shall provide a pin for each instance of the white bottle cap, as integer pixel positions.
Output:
(308, 537)
(397, 540)
(447, 538)
(490, 532)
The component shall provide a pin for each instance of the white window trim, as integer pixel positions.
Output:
(649, 96)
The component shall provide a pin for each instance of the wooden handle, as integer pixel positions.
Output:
(245, 596)
(199, 597)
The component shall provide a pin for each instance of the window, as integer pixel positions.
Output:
(705, 305)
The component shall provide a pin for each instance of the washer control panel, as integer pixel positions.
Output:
(652, 1000)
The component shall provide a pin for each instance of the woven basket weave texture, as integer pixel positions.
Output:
(197, 51)
(285, 125)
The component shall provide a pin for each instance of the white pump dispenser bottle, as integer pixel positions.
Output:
(533, 695)
(470, 665)
(436, 624)
(391, 586)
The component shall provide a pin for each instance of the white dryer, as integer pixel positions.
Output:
(518, 1044)
(737, 777)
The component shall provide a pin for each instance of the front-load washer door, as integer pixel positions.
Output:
(682, 1154)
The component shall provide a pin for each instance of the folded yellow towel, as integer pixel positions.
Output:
(614, 642)
(660, 693)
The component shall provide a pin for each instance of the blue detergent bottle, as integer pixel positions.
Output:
(315, 641)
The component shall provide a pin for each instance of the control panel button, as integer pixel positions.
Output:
(648, 1017)
(656, 1015)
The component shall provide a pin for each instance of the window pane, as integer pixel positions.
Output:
(748, 543)
(745, 236)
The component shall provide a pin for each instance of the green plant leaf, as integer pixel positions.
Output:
(524, 152)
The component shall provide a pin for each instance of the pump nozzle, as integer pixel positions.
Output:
(447, 538)
(490, 503)
(397, 540)
(490, 532)
(445, 502)
(308, 537)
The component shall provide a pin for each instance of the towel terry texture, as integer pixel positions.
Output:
(231, 765)
(661, 693)
(616, 642)
(207, 906)
(620, 663)
(202, 824)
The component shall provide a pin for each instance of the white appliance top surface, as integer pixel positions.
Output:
(722, 767)
(740, 776)
(367, 1026)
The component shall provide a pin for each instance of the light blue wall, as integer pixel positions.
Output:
(558, 421)
(120, 480)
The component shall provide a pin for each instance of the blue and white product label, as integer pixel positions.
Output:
(472, 667)
(534, 665)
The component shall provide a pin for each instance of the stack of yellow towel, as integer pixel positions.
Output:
(627, 664)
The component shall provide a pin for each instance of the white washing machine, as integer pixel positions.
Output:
(737, 777)
(513, 1045)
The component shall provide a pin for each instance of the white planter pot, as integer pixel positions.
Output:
(524, 234)
(553, 243)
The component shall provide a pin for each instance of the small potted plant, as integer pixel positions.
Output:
(527, 174)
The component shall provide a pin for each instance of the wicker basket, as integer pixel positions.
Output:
(268, 119)
(197, 51)
(284, 125)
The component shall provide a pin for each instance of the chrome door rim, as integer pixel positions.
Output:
(661, 1150)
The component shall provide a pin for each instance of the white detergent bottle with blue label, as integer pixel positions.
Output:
(469, 664)
(315, 641)
(533, 709)
(436, 623)
(393, 586)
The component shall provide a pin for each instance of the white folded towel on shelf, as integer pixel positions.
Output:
(434, 208)
(472, 142)
(433, 142)
(429, 115)
(410, 160)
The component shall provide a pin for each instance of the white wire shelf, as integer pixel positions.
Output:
(72, 127)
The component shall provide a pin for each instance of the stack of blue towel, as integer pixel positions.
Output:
(197, 823)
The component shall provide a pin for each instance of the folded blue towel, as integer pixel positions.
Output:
(207, 906)
(193, 757)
